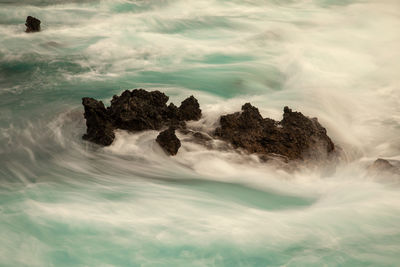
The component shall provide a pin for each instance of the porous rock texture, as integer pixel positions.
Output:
(168, 141)
(100, 130)
(135, 110)
(295, 137)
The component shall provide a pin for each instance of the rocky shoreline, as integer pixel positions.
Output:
(295, 137)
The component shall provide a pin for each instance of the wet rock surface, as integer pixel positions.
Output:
(295, 137)
(99, 127)
(137, 110)
(32, 24)
(168, 141)
(190, 109)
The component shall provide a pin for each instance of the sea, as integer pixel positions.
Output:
(67, 202)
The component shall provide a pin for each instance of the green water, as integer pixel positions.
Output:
(65, 202)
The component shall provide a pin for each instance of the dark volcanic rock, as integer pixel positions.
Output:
(168, 141)
(173, 118)
(172, 112)
(295, 137)
(32, 24)
(99, 126)
(190, 109)
(136, 110)
(139, 110)
(305, 135)
(197, 137)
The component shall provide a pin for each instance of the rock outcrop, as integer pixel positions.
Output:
(168, 141)
(295, 137)
(32, 24)
(100, 130)
(138, 110)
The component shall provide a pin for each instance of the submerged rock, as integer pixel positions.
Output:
(168, 141)
(32, 24)
(294, 137)
(383, 166)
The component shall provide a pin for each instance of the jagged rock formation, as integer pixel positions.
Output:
(168, 141)
(139, 110)
(135, 110)
(99, 127)
(189, 109)
(294, 137)
(32, 24)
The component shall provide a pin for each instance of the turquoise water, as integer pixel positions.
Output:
(65, 202)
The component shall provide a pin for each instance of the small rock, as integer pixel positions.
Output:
(200, 138)
(190, 109)
(383, 166)
(32, 24)
(168, 141)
